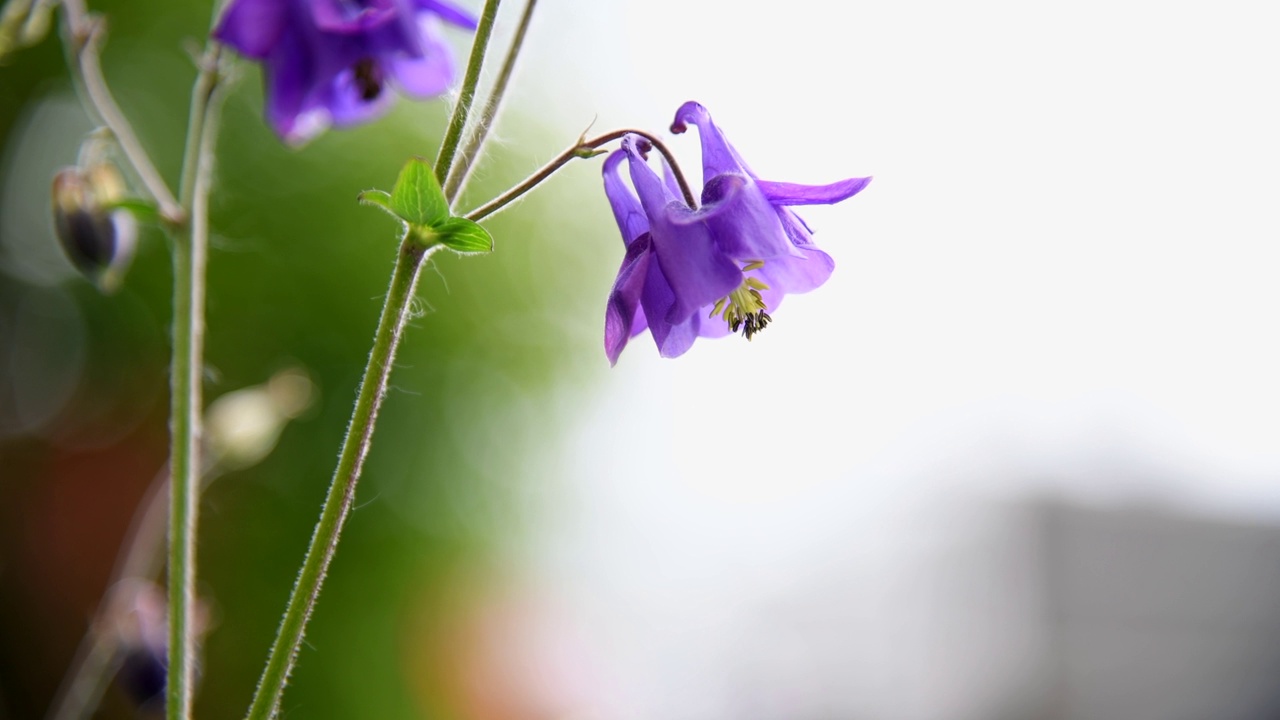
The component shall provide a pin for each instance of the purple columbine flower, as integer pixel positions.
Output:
(331, 61)
(691, 273)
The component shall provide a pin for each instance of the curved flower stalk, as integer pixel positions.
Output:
(709, 271)
(330, 62)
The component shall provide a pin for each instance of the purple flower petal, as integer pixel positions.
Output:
(288, 79)
(448, 12)
(625, 298)
(678, 338)
(252, 27)
(349, 103)
(695, 268)
(669, 177)
(792, 274)
(405, 34)
(674, 339)
(717, 155)
(640, 322)
(431, 74)
(794, 194)
(626, 207)
(337, 16)
(656, 301)
(744, 224)
(747, 225)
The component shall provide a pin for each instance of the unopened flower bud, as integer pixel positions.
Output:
(23, 23)
(134, 624)
(98, 240)
(139, 623)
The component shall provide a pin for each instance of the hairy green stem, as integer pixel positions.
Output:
(471, 150)
(342, 492)
(187, 220)
(582, 149)
(467, 94)
(373, 387)
(184, 431)
(190, 254)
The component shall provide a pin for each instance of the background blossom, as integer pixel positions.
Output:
(331, 61)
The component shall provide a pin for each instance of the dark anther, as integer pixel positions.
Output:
(751, 324)
(368, 79)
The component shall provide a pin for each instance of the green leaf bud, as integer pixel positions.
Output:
(417, 197)
(463, 236)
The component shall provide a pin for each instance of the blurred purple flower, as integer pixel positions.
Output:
(691, 273)
(330, 61)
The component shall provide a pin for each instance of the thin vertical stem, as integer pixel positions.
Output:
(198, 121)
(342, 492)
(190, 255)
(188, 270)
(186, 218)
(373, 387)
(467, 95)
(480, 131)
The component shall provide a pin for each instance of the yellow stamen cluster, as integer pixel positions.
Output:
(744, 308)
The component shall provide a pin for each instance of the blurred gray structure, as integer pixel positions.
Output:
(1156, 616)
(1037, 610)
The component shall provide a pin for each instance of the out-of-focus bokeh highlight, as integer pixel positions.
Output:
(1019, 458)
(296, 277)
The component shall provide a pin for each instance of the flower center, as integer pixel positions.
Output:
(368, 79)
(744, 308)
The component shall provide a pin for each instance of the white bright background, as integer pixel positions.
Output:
(1063, 277)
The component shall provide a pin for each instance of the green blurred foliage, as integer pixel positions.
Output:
(296, 276)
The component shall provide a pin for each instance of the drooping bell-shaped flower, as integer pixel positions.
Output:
(333, 62)
(719, 268)
(672, 269)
